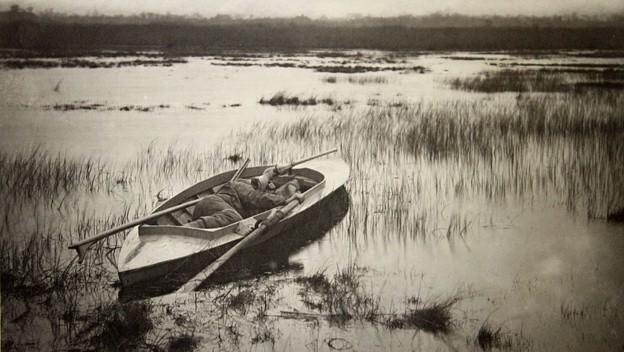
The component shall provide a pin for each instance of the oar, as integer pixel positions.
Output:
(82, 246)
(282, 169)
(273, 219)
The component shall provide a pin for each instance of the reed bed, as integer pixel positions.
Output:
(565, 144)
(38, 174)
(510, 81)
(419, 161)
(540, 80)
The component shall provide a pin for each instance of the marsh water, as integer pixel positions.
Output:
(528, 260)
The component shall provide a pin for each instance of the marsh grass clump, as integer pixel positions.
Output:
(368, 80)
(120, 327)
(317, 282)
(263, 336)
(571, 312)
(540, 80)
(241, 300)
(84, 105)
(235, 157)
(343, 297)
(281, 98)
(489, 338)
(40, 175)
(511, 81)
(434, 317)
(183, 343)
(617, 215)
(357, 79)
(39, 265)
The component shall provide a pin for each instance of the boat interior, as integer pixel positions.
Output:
(308, 180)
(165, 239)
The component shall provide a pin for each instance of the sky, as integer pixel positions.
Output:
(328, 8)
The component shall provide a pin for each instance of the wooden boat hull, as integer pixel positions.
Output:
(172, 254)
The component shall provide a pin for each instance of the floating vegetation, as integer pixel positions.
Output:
(342, 68)
(282, 98)
(363, 69)
(465, 58)
(357, 79)
(86, 63)
(194, 107)
(83, 105)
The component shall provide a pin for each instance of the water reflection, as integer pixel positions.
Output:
(267, 259)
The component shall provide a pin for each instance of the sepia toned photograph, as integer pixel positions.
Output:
(304, 175)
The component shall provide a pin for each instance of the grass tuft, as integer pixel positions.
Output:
(241, 300)
(122, 327)
(343, 297)
(434, 317)
(183, 343)
(317, 282)
(488, 338)
(616, 215)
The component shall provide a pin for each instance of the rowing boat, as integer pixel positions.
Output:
(162, 248)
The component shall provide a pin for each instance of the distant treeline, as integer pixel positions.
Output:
(52, 36)
(435, 20)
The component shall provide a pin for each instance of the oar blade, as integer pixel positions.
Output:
(81, 250)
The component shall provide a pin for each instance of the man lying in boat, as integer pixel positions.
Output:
(242, 199)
